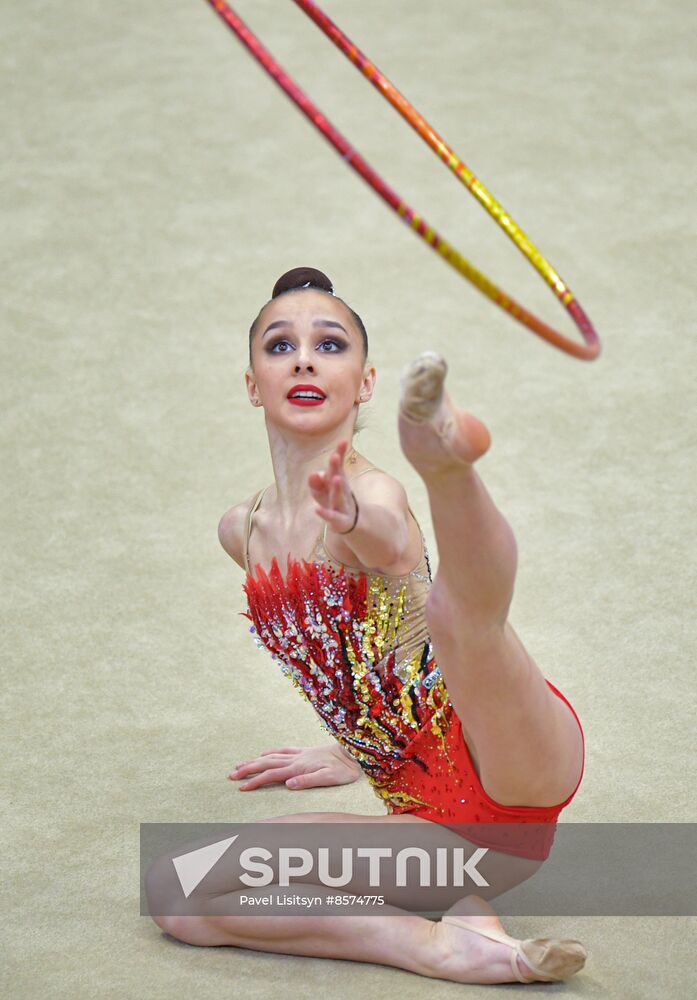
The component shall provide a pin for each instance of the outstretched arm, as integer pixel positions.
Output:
(380, 537)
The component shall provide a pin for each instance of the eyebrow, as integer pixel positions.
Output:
(317, 322)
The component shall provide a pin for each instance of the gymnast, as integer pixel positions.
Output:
(431, 695)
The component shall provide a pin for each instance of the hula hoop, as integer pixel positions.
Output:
(585, 352)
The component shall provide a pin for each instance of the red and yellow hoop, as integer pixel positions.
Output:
(587, 351)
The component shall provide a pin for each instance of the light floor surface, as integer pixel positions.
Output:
(155, 184)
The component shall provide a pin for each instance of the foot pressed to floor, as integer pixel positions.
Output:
(480, 951)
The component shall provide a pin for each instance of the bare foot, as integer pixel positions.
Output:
(435, 434)
(475, 957)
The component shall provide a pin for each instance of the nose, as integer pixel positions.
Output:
(303, 359)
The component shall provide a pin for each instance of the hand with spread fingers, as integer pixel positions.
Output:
(332, 493)
(298, 767)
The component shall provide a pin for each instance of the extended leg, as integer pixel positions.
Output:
(526, 741)
(439, 950)
(410, 942)
(394, 937)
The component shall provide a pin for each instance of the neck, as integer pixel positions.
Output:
(293, 459)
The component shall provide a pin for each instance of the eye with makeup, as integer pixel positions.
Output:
(338, 344)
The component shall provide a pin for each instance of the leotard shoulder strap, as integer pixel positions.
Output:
(322, 535)
(248, 525)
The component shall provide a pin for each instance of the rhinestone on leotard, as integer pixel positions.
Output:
(357, 647)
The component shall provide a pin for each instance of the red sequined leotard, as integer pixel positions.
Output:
(357, 647)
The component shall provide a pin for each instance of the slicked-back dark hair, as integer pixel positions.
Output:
(298, 279)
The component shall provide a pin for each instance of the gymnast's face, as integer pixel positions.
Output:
(308, 338)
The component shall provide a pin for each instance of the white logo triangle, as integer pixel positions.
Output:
(195, 865)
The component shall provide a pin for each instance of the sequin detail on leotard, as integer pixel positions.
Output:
(356, 646)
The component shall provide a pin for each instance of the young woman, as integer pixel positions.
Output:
(424, 684)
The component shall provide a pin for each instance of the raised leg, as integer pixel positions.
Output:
(525, 740)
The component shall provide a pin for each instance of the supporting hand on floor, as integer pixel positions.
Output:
(298, 767)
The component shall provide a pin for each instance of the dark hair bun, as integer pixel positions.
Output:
(301, 277)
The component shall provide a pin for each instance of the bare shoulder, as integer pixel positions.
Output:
(377, 486)
(231, 530)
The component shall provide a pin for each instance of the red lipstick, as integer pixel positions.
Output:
(309, 395)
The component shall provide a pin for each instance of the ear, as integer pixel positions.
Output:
(252, 388)
(367, 384)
